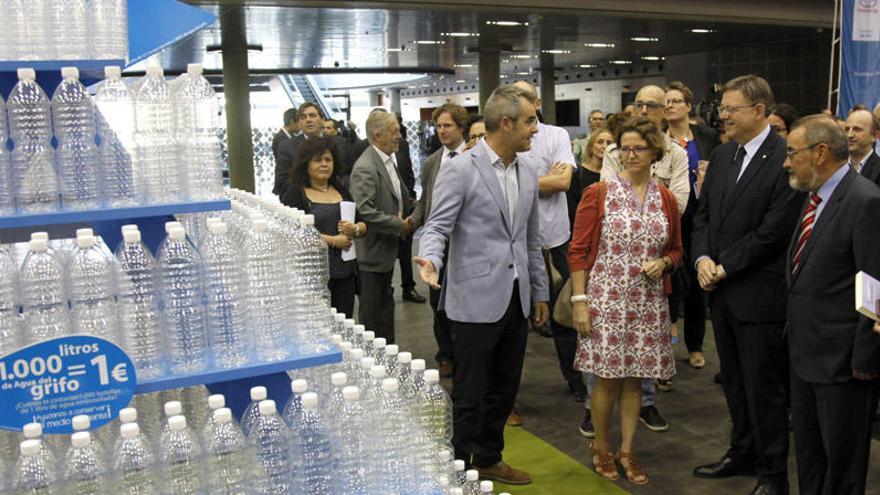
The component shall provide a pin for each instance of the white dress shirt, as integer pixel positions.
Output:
(751, 149)
(508, 179)
(390, 163)
(447, 152)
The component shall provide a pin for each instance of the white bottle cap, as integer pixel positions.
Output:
(223, 415)
(216, 401)
(377, 371)
(336, 338)
(472, 475)
(432, 376)
(259, 224)
(26, 73)
(390, 385)
(487, 486)
(459, 464)
(339, 318)
(308, 220)
(310, 400)
(170, 225)
(38, 245)
(338, 379)
(177, 234)
(30, 447)
(351, 394)
(356, 354)
(333, 310)
(129, 430)
(369, 336)
(404, 357)
(367, 363)
(379, 343)
(345, 346)
(218, 228)
(39, 235)
(195, 69)
(81, 422)
(130, 227)
(258, 394)
(85, 241)
(84, 231)
(131, 236)
(358, 329)
(112, 71)
(81, 439)
(392, 349)
(173, 408)
(299, 386)
(267, 408)
(155, 70)
(176, 423)
(348, 323)
(69, 73)
(417, 365)
(128, 415)
(32, 430)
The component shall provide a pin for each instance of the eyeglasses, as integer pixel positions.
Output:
(651, 105)
(639, 150)
(674, 101)
(789, 154)
(729, 110)
(597, 119)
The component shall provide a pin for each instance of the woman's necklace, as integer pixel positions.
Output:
(321, 189)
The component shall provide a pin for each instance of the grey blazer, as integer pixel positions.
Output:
(427, 177)
(470, 213)
(377, 205)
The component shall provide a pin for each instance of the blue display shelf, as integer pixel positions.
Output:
(84, 66)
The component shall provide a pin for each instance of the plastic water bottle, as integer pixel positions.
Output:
(93, 308)
(180, 455)
(230, 460)
(85, 468)
(82, 424)
(434, 410)
(158, 171)
(49, 446)
(34, 178)
(67, 26)
(415, 381)
(272, 440)
(73, 114)
(354, 463)
(197, 112)
(357, 335)
(367, 343)
(10, 329)
(115, 120)
(294, 407)
(7, 202)
(487, 488)
(334, 401)
(109, 433)
(472, 482)
(32, 473)
(392, 436)
(311, 449)
(252, 411)
(392, 368)
(348, 330)
(134, 463)
(28, 30)
(458, 475)
(108, 23)
(373, 389)
(44, 301)
(404, 364)
(364, 379)
(226, 288)
(265, 302)
(379, 350)
(316, 263)
(180, 275)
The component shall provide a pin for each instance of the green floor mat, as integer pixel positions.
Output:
(553, 473)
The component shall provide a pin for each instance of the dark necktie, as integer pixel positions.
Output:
(806, 231)
(738, 161)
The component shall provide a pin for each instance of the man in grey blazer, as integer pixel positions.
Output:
(382, 202)
(485, 207)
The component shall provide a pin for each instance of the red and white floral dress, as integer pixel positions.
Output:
(628, 310)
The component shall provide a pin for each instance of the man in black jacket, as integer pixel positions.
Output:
(863, 129)
(746, 216)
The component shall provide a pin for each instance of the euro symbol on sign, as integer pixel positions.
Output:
(120, 373)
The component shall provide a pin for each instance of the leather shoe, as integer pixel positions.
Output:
(770, 489)
(513, 419)
(412, 296)
(725, 468)
(445, 368)
(505, 474)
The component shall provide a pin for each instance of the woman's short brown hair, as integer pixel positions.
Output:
(648, 131)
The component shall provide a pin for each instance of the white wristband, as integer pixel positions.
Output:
(580, 298)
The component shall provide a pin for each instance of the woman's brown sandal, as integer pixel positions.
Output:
(603, 463)
(633, 470)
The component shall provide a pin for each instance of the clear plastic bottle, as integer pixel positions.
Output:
(109, 433)
(373, 391)
(85, 466)
(44, 300)
(472, 482)
(195, 406)
(49, 445)
(73, 114)
(231, 464)
(434, 409)
(392, 368)
(415, 381)
(7, 201)
(226, 287)
(293, 408)
(180, 275)
(404, 369)
(458, 475)
(28, 30)
(108, 23)
(149, 416)
(139, 321)
(355, 462)
(82, 424)
(354, 366)
(134, 464)
(379, 350)
(10, 328)
(68, 29)
(215, 403)
(180, 455)
(364, 380)
(115, 118)
(34, 178)
(158, 172)
(334, 401)
(272, 440)
(93, 307)
(367, 343)
(348, 330)
(313, 460)
(197, 112)
(32, 473)
(252, 411)
(392, 437)
(357, 335)
(317, 268)
(487, 488)
(265, 302)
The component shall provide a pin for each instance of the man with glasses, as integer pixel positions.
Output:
(672, 171)
(746, 216)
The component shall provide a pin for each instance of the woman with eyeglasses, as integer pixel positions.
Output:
(626, 242)
(782, 117)
(698, 141)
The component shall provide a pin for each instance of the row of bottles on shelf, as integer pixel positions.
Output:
(244, 289)
(64, 30)
(156, 142)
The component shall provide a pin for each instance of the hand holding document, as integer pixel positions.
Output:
(347, 212)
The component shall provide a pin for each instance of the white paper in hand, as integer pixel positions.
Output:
(347, 211)
(867, 295)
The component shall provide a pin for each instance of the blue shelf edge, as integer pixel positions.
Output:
(102, 214)
(226, 375)
(56, 65)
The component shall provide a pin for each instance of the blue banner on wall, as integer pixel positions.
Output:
(860, 69)
(54, 381)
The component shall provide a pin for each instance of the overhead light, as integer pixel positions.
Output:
(522, 55)
(503, 76)
(430, 42)
(507, 23)
(393, 49)
(424, 85)
(644, 38)
(460, 35)
(702, 30)
(556, 51)
(652, 58)
(411, 86)
(587, 66)
(460, 81)
(524, 73)
(463, 66)
(620, 62)
(599, 45)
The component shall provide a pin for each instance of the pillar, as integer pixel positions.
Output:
(548, 89)
(489, 70)
(395, 100)
(236, 88)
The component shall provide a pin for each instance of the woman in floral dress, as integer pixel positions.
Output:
(626, 242)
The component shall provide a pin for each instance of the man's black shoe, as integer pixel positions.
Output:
(412, 296)
(725, 468)
(578, 389)
(586, 426)
(764, 488)
(650, 417)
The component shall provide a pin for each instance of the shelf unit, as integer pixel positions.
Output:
(60, 217)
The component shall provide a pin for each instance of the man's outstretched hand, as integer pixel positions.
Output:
(428, 272)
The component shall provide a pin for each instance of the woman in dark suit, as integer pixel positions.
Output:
(698, 141)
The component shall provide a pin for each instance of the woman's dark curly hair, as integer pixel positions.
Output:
(307, 150)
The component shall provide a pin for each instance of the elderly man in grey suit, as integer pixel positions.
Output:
(382, 202)
(485, 207)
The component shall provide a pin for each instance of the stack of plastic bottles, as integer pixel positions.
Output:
(122, 147)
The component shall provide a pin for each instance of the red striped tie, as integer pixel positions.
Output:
(806, 230)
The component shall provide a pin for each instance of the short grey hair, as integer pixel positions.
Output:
(504, 102)
(820, 128)
(378, 121)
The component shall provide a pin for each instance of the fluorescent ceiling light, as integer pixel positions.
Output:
(524, 73)
(460, 35)
(522, 56)
(644, 38)
(460, 81)
(556, 51)
(463, 66)
(621, 62)
(430, 42)
(393, 49)
(599, 45)
(587, 66)
(507, 23)
(503, 76)
(653, 58)
(702, 30)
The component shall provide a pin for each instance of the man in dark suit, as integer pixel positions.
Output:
(404, 253)
(383, 203)
(288, 131)
(835, 354)
(863, 129)
(742, 226)
(311, 123)
(451, 121)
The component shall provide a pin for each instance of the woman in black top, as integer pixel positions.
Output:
(588, 171)
(315, 189)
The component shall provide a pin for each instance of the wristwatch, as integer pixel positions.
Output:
(580, 298)
(357, 231)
